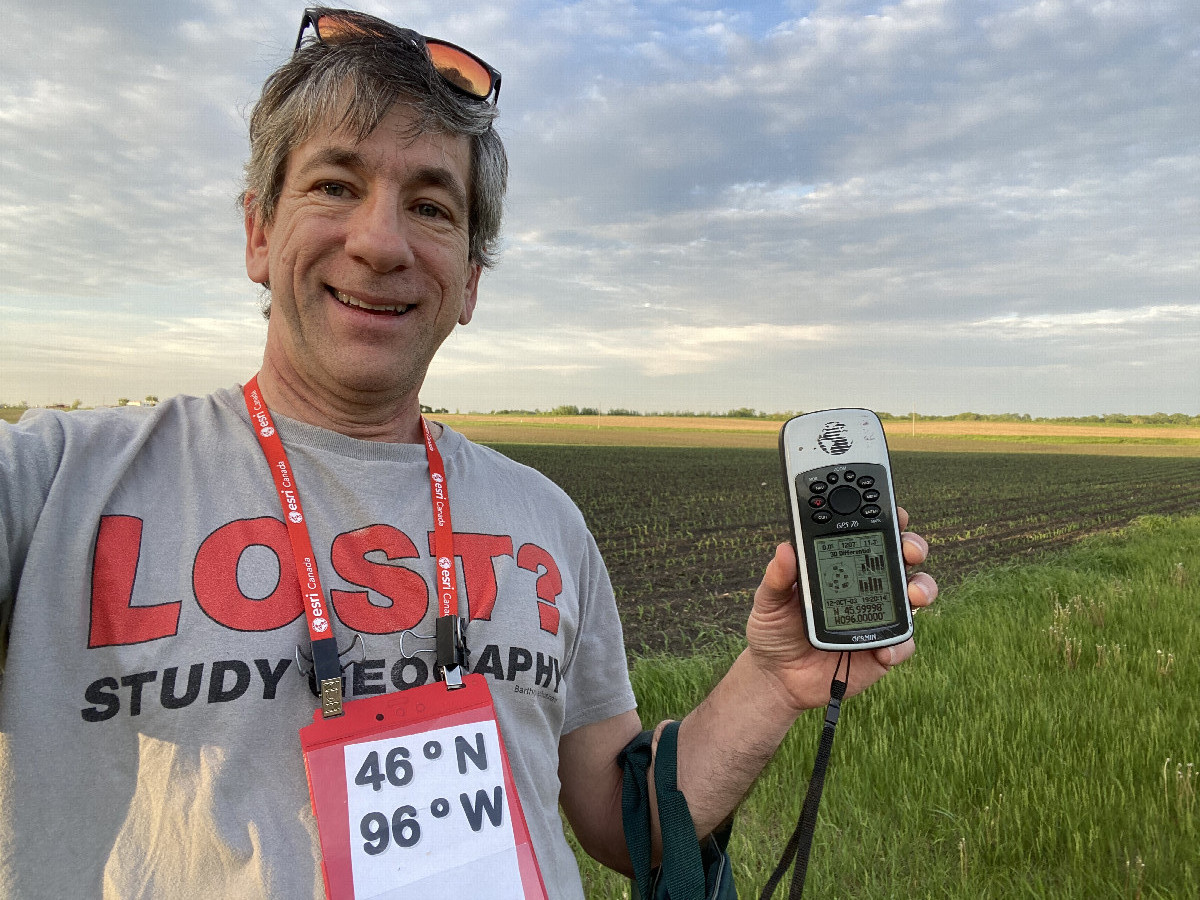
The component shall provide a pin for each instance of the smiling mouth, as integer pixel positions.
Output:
(376, 309)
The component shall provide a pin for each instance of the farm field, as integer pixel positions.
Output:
(686, 532)
(1042, 742)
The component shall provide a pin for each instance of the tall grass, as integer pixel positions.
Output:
(1043, 742)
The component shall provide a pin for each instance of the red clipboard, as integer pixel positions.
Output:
(402, 756)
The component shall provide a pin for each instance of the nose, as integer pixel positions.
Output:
(377, 235)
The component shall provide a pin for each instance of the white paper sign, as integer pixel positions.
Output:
(430, 811)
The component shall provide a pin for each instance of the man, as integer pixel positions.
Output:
(151, 701)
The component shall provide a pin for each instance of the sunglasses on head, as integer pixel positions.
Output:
(461, 69)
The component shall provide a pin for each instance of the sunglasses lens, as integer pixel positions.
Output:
(338, 28)
(460, 69)
(457, 66)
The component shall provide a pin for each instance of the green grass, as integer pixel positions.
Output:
(1038, 744)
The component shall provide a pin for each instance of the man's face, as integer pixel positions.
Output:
(367, 257)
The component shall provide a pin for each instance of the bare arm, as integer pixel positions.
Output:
(591, 786)
(725, 743)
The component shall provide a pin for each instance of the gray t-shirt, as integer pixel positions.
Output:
(151, 700)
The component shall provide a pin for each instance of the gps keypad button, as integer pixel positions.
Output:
(844, 500)
(866, 481)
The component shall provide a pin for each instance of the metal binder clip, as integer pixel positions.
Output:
(417, 637)
(452, 655)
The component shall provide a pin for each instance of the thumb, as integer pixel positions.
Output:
(775, 629)
(779, 582)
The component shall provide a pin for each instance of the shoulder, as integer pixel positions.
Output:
(44, 438)
(30, 453)
(125, 418)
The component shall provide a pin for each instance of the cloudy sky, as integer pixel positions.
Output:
(986, 205)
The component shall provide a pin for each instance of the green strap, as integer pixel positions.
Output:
(635, 807)
(682, 867)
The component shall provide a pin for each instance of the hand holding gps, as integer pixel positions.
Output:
(850, 569)
(838, 482)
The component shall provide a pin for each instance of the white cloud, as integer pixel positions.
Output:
(653, 350)
(1080, 325)
(697, 190)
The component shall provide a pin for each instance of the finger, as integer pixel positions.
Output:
(902, 516)
(916, 548)
(779, 581)
(896, 654)
(922, 589)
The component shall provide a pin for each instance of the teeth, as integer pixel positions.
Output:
(354, 301)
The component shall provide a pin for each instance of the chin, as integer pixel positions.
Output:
(388, 382)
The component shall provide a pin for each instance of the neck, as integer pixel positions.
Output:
(366, 417)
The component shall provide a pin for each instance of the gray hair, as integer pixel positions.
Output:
(352, 84)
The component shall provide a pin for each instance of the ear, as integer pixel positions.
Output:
(257, 243)
(471, 294)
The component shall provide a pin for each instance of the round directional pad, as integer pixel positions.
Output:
(844, 500)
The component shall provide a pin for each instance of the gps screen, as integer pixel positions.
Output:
(856, 590)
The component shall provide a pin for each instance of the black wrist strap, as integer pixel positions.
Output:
(800, 843)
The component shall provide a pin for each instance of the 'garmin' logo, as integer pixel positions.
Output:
(862, 638)
(833, 439)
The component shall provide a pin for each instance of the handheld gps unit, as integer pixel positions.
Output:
(838, 482)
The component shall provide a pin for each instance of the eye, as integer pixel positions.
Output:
(332, 189)
(429, 210)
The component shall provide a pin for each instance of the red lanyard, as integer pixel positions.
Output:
(451, 651)
(443, 536)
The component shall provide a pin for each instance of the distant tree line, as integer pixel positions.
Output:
(150, 400)
(1158, 418)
